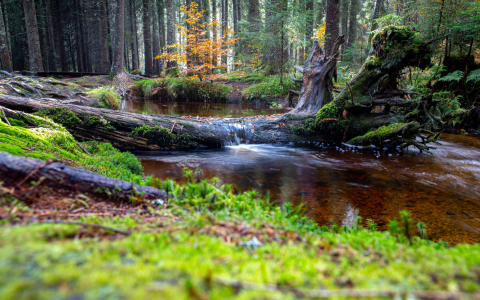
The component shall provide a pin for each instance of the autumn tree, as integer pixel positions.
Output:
(195, 54)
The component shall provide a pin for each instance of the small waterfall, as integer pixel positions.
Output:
(238, 132)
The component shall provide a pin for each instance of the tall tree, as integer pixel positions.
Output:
(118, 31)
(332, 20)
(170, 30)
(157, 67)
(103, 30)
(134, 41)
(51, 39)
(310, 19)
(147, 38)
(161, 22)
(376, 13)
(352, 25)
(4, 51)
(224, 25)
(34, 52)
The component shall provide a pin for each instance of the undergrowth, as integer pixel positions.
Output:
(107, 96)
(181, 89)
(268, 87)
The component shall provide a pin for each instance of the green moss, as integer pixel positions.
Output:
(268, 87)
(60, 115)
(91, 121)
(160, 136)
(50, 140)
(107, 96)
(181, 89)
(375, 137)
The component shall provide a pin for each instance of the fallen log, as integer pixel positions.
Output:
(15, 171)
(118, 128)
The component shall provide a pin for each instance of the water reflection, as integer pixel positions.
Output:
(440, 190)
(200, 109)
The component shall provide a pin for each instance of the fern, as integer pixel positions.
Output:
(454, 76)
(474, 76)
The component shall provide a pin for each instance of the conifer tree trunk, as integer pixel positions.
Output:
(224, 25)
(332, 21)
(352, 25)
(51, 40)
(157, 67)
(61, 40)
(4, 51)
(134, 41)
(170, 30)
(104, 53)
(147, 38)
(34, 52)
(119, 33)
(161, 25)
(344, 14)
(320, 9)
(309, 29)
(376, 13)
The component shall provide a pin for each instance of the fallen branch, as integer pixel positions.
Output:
(124, 232)
(4, 116)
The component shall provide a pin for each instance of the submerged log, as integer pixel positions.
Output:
(15, 171)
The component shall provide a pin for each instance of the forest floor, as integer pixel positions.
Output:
(205, 242)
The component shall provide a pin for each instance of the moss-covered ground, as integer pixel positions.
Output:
(207, 242)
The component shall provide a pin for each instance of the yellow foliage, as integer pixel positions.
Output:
(199, 54)
(320, 34)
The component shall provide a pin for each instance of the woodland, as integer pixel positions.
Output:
(81, 218)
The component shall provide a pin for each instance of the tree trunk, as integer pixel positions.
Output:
(320, 9)
(318, 73)
(161, 20)
(224, 25)
(157, 66)
(332, 21)
(61, 40)
(344, 14)
(14, 169)
(134, 42)
(79, 38)
(104, 53)
(34, 51)
(352, 26)
(376, 13)
(170, 31)
(4, 51)
(147, 38)
(119, 34)
(310, 16)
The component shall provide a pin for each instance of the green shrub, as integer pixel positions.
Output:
(268, 87)
(107, 96)
(181, 89)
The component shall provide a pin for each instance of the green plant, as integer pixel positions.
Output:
(107, 96)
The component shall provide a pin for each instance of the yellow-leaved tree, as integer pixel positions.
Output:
(200, 54)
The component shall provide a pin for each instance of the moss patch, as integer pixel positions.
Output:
(60, 115)
(161, 136)
(107, 96)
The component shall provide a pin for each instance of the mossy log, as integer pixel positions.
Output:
(15, 171)
(128, 131)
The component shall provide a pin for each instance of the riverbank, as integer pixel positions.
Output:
(205, 241)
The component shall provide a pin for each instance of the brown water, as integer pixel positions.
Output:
(440, 190)
(201, 109)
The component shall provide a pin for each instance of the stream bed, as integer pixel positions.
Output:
(337, 184)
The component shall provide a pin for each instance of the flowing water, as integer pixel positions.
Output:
(194, 109)
(337, 183)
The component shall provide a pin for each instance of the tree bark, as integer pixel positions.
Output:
(104, 53)
(157, 63)
(344, 15)
(134, 43)
(161, 21)
(318, 73)
(170, 31)
(332, 21)
(33, 40)
(4, 50)
(376, 13)
(147, 38)
(119, 34)
(224, 25)
(310, 23)
(61, 40)
(352, 25)
(14, 169)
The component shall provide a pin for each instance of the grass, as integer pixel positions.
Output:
(107, 96)
(181, 89)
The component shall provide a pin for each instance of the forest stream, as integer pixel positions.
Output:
(337, 183)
